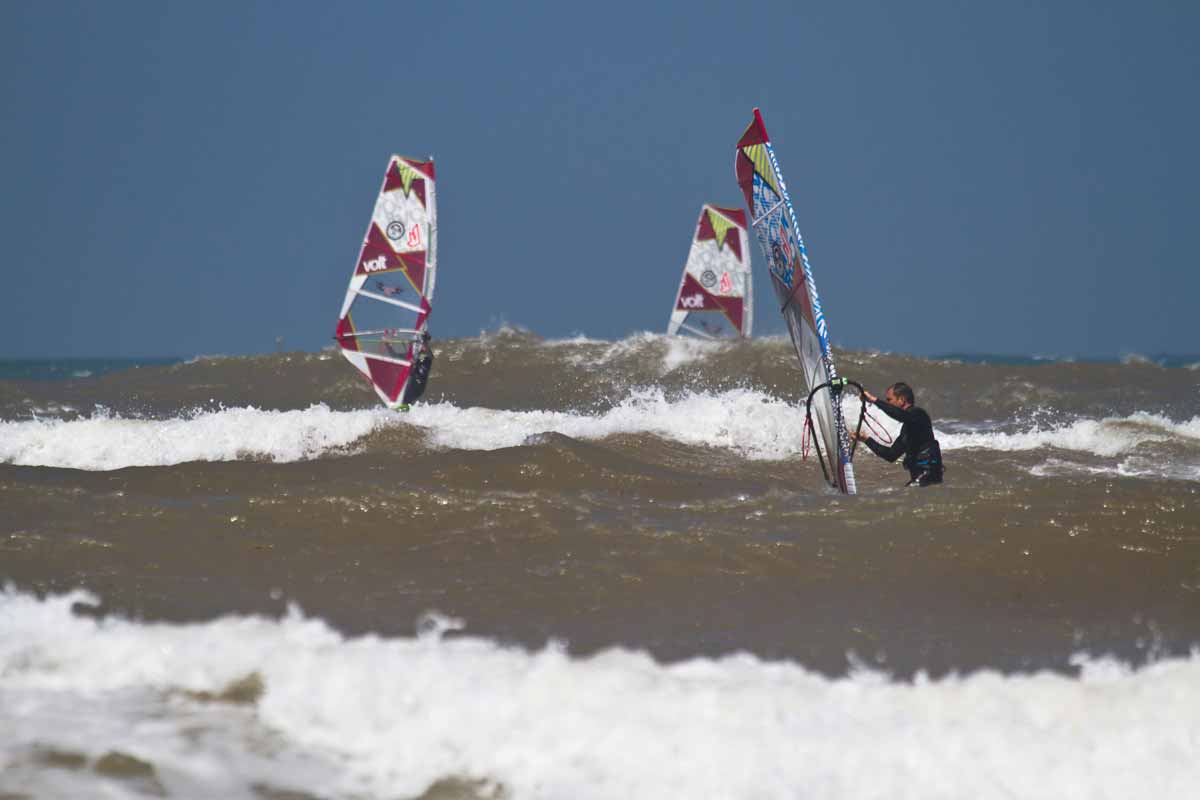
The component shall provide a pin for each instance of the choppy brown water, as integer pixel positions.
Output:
(640, 537)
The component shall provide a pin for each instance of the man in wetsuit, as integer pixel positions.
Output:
(922, 455)
(422, 365)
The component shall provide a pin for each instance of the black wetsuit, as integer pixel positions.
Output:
(922, 455)
(422, 365)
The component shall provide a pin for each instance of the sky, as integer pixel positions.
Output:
(196, 178)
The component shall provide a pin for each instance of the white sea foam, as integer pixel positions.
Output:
(682, 351)
(747, 422)
(201, 358)
(1111, 436)
(575, 340)
(619, 349)
(105, 441)
(51, 410)
(1121, 441)
(676, 351)
(373, 717)
(1137, 359)
(1132, 467)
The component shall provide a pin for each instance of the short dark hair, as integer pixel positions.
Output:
(904, 392)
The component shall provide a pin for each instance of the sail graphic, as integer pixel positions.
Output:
(714, 298)
(774, 223)
(390, 296)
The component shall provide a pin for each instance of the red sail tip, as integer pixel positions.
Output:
(756, 132)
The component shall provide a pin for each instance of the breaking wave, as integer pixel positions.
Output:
(242, 703)
(1111, 436)
(749, 423)
(106, 442)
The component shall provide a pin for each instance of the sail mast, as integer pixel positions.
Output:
(775, 226)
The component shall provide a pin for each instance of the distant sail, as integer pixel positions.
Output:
(714, 298)
(774, 222)
(390, 296)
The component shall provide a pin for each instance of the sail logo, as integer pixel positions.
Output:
(692, 301)
(377, 264)
(726, 283)
(781, 266)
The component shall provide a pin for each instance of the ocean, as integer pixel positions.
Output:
(595, 569)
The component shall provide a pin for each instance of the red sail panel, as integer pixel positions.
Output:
(745, 177)
(378, 257)
(734, 243)
(394, 179)
(345, 334)
(414, 268)
(426, 310)
(388, 376)
(694, 297)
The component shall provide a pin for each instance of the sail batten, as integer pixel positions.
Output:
(696, 331)
(377, 331)
(398, 334)
(715, 298)
(389, 301)
(774, 221)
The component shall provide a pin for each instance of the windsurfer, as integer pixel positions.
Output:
(422, 365)
(389, 291)
(922, 454)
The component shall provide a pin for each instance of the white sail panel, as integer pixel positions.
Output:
(715, 299)
(390, 297)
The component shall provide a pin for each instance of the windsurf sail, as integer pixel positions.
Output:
(774, 223)
(390, 297)
(714, 299)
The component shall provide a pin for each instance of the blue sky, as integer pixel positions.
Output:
(987, 177)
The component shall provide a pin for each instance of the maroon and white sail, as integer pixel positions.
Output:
(715, 295)
(390, 297)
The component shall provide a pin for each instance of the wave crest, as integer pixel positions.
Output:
(389, 717)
